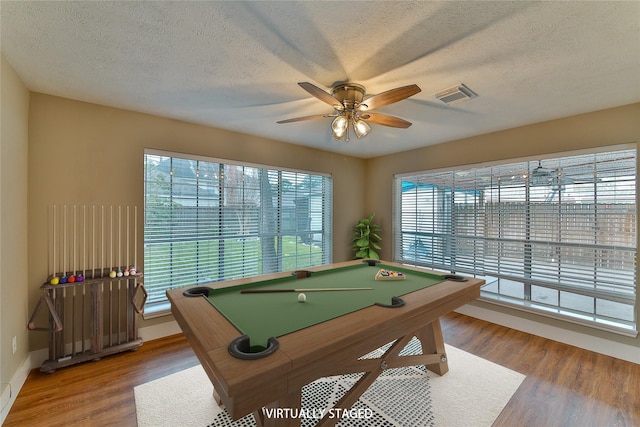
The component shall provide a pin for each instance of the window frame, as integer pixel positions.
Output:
(210, 221)
(525, 303)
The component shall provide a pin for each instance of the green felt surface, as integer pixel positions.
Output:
(264, 315)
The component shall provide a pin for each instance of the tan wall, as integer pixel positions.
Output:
(87, 154)
(13, 224)
(608, 127)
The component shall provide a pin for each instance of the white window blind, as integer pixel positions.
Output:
(557, 236)
(207, 221)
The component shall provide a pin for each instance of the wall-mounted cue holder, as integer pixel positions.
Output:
(91, 311)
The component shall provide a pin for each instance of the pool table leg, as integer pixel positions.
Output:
(433, 343)
(216, 396)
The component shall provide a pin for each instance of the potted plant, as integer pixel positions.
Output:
(365, 239)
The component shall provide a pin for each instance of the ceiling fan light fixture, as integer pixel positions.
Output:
(361, 128)
(339, 126)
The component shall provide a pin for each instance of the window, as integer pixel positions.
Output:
(557, 236)
(208, 220)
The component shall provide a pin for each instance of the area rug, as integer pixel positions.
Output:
(472, 393)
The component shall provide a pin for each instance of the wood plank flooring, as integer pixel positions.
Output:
(565, 386)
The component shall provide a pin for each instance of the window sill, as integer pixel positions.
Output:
(160, 309)
(566, 316)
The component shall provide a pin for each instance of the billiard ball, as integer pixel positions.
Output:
(302, 297)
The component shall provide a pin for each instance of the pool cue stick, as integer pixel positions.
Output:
(102, 241)
(54, 241)
(75, 240)
(93, 241)
(127, 259)
(64, 241)
(267, 291)
(119, 240)
(84, 264)
(73, 273)
(110, 313)
(84, 302)
(49, 240)
(110, 240)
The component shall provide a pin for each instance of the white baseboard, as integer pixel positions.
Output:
(17, 381)
(162, 330)
(576, 339)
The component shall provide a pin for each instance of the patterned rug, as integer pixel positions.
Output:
(473, 392)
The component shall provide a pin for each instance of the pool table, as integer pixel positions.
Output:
(260, 345)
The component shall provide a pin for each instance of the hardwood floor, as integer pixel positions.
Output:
(565, 386)
(98, 393)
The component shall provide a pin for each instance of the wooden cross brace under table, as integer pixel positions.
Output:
(433, 357)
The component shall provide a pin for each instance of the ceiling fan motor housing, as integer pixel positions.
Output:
(350, 94)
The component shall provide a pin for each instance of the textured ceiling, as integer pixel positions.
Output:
(235, 65)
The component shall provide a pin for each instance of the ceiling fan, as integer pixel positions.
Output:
(541, 176)
(352, 110)
(544, 176)
(543, 172)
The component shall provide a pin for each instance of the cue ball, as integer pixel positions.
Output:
(302, 297)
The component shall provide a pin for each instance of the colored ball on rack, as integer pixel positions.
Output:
(79, 278)
(63, 279)
(71, 279)
(112, 274)
(55, 280)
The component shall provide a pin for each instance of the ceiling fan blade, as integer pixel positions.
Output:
(321, 94)
(388, 97)
(385, 120)
(300, 119)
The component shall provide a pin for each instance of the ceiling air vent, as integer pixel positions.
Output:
(455, 94)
